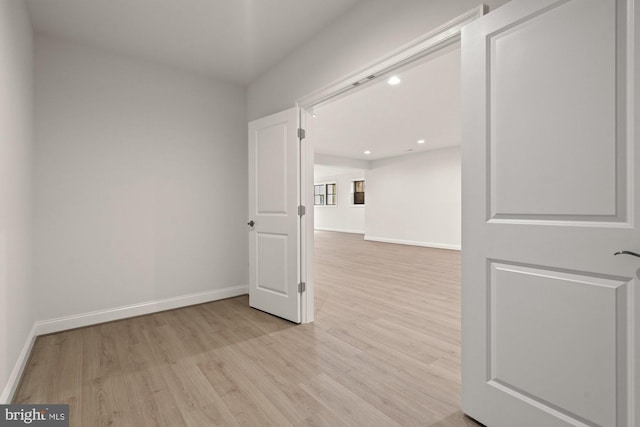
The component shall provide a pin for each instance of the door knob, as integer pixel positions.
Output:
(627, 253)
(251, 223)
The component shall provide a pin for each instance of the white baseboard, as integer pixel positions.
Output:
(414, 243)
(86, 319)
(92, 318)
(339, 230)
(14, 379)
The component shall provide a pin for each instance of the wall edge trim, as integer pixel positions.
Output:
(339, 230)
(59, 324)
(447, 246)
(16, 374)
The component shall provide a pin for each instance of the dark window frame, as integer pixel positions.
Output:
(358, 197)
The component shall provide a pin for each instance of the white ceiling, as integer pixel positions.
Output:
(233, 40)
(389, 120)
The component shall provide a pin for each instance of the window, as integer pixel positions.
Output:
(331, 194)
(357, 192)
(325, 194)
(319, 193)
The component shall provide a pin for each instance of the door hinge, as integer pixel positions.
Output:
(302, 210)
(302, 286)
(301, 133)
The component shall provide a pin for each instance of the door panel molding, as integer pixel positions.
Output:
(572, 302)
(508, 200)
(271, 183)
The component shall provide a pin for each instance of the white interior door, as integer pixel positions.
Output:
(550, 192)
(274, 243)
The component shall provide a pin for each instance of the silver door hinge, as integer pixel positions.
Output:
(302, 286)
(301, 133)
(302, 210)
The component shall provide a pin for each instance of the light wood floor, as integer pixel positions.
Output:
(384, 351)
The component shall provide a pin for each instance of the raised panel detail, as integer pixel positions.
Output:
(272, 262)
(565, 164)
(558, 339)
(271, 158)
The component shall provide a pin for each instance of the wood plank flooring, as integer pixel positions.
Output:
(384, 351)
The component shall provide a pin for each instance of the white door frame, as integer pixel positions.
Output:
(431, 42)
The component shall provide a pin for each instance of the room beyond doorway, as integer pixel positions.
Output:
(396, 310)
(402, 142)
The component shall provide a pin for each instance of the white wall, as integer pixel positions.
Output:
(415, 199)
(17, 298)
(321, 159)
(140, 183)
(371, 29)
(343, 216)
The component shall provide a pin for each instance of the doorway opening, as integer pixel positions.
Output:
(437, 47)
(387, 221)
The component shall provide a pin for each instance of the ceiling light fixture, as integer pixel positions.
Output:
(421, 141)
(394, 80)
(367, 152)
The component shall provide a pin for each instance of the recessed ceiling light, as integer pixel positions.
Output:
(394, 80)
(421, 141)
(367, 152)
(314, 115)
